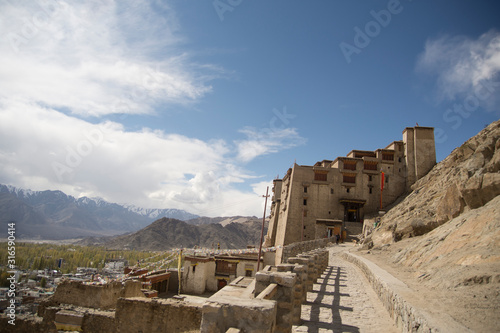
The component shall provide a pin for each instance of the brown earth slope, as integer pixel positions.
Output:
(443, 239)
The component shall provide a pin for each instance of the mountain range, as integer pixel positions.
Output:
(56, 215)
(166, 233)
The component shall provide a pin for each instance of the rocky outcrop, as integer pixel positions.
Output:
(467, 179)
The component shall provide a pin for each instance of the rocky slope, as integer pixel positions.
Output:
(467, 179)
(443, 239)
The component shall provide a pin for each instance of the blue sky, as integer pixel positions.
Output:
(198, 105)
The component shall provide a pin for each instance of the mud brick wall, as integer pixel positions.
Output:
(157, 315)
(95, 296)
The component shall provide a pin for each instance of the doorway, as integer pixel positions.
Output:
(221, 283)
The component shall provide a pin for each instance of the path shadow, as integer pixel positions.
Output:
(332, 276)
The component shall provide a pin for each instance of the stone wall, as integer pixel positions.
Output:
(269, 303)
(294, 249)
(99, 322)
(95, 296)
(251, 315)
(26, 324)
(157, 315)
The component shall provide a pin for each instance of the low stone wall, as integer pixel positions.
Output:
(294, 249)
(274, 303)
(157, 315)
(390, 290)
(285, 295)
(99, 322)
(26, 324)
(250, 315)
(95, 296)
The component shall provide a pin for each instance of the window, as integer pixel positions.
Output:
(194, 268)
(349, 178)
(347, 190)
(350, 165)
(331, 191)
(320, 175)
(305, 189)
(399, 159)
(305, 202)
(387, 156)
(369, 178)
(248, 272)
(225, 268)
(370, 165)
(371, 190)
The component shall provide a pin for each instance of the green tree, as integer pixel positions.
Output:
(43, 282)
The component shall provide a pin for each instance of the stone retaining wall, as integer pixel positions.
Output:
(407, 317)
(294, 249)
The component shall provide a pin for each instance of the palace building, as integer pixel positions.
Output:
(332, 197)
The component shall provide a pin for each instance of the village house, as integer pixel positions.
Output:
(332, 197)
(211, 273)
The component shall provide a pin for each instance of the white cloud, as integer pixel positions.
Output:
(266, 141)
(41, 148)
(61, 62)
(96, 58)
(464, 67)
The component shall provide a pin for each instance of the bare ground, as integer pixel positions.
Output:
(475, 305)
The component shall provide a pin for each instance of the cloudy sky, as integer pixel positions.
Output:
(198, 105)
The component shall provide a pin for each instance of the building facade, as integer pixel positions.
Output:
(211, 273)
(332, 196)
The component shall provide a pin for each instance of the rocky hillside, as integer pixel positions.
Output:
(467, 179)
(166, 233)
(444, 237)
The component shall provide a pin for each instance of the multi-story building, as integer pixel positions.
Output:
(332, 197)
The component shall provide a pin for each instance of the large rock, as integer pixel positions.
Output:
(451, 205)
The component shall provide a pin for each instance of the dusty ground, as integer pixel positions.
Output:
(476, 306)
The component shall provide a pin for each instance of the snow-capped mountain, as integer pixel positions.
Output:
(55, 215)
(159, 213)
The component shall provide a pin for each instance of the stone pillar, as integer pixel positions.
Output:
(308, 264)
(300, 291)
(285, 295)
(313, 269)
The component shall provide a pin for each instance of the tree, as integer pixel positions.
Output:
(43, 282)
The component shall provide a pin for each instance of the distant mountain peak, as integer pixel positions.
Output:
(64, 216)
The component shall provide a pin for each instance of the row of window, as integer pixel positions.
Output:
(346, 178)
(370, 191)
